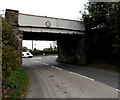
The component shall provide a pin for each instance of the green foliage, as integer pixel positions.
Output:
(101, 14)
(14, 80)
(40, 52)
(47, 49)
(102, 27)
(103, 64)
(24, 49)
(18, 84)
(97, 14)
(10, 53)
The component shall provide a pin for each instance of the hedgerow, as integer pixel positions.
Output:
(10, 53)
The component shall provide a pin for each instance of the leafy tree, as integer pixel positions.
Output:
(101, 27)
(47, 49)
(24, 49)
(116, 41)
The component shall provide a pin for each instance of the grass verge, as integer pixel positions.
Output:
(113, 66)
(18, 84)
(104, 65)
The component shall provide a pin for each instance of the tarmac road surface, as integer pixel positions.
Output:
(49, 79)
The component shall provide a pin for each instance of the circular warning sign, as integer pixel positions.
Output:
(47, 23)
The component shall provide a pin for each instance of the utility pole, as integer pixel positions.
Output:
(35, 46)
(32, 45)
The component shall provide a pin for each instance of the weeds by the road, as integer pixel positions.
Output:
(104, 64)
(17, 85)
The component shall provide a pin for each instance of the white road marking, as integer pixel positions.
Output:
(75, 73)
(88, 78)
(56, 67)
(44, 64)
(82, 76)
(117, 90)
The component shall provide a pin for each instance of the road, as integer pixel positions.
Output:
(50, 79)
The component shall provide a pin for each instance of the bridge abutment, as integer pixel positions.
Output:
(11, 16)
(72, 49)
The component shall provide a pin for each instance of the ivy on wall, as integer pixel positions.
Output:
(10, 53)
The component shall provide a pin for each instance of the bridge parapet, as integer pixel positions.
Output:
(43, 24)
(42, 21)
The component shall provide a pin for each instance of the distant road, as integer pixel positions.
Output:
(50, 79)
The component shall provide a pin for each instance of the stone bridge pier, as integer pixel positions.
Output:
(71, 49)
(71, 40)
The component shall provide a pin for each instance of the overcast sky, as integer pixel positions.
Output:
(68, 9)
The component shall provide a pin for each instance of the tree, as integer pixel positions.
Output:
(47, 49)
(116, 41)
(101, 27)
(24, 49)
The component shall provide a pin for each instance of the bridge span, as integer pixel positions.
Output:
(43, 24)
(70, 34)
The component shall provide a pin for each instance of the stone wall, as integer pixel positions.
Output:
(11, 16)
(72, 49)
(81, 50)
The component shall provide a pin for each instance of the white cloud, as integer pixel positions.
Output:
(68, 9)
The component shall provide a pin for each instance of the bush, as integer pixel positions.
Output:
(39, 52)
(18, 84)
(10, 53)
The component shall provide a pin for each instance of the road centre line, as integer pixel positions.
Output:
(44, 64)
(82, 76)
(88, 78)
(56, 67)
(75, 74)
(79, 75)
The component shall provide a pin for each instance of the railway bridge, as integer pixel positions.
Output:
(69, 34)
